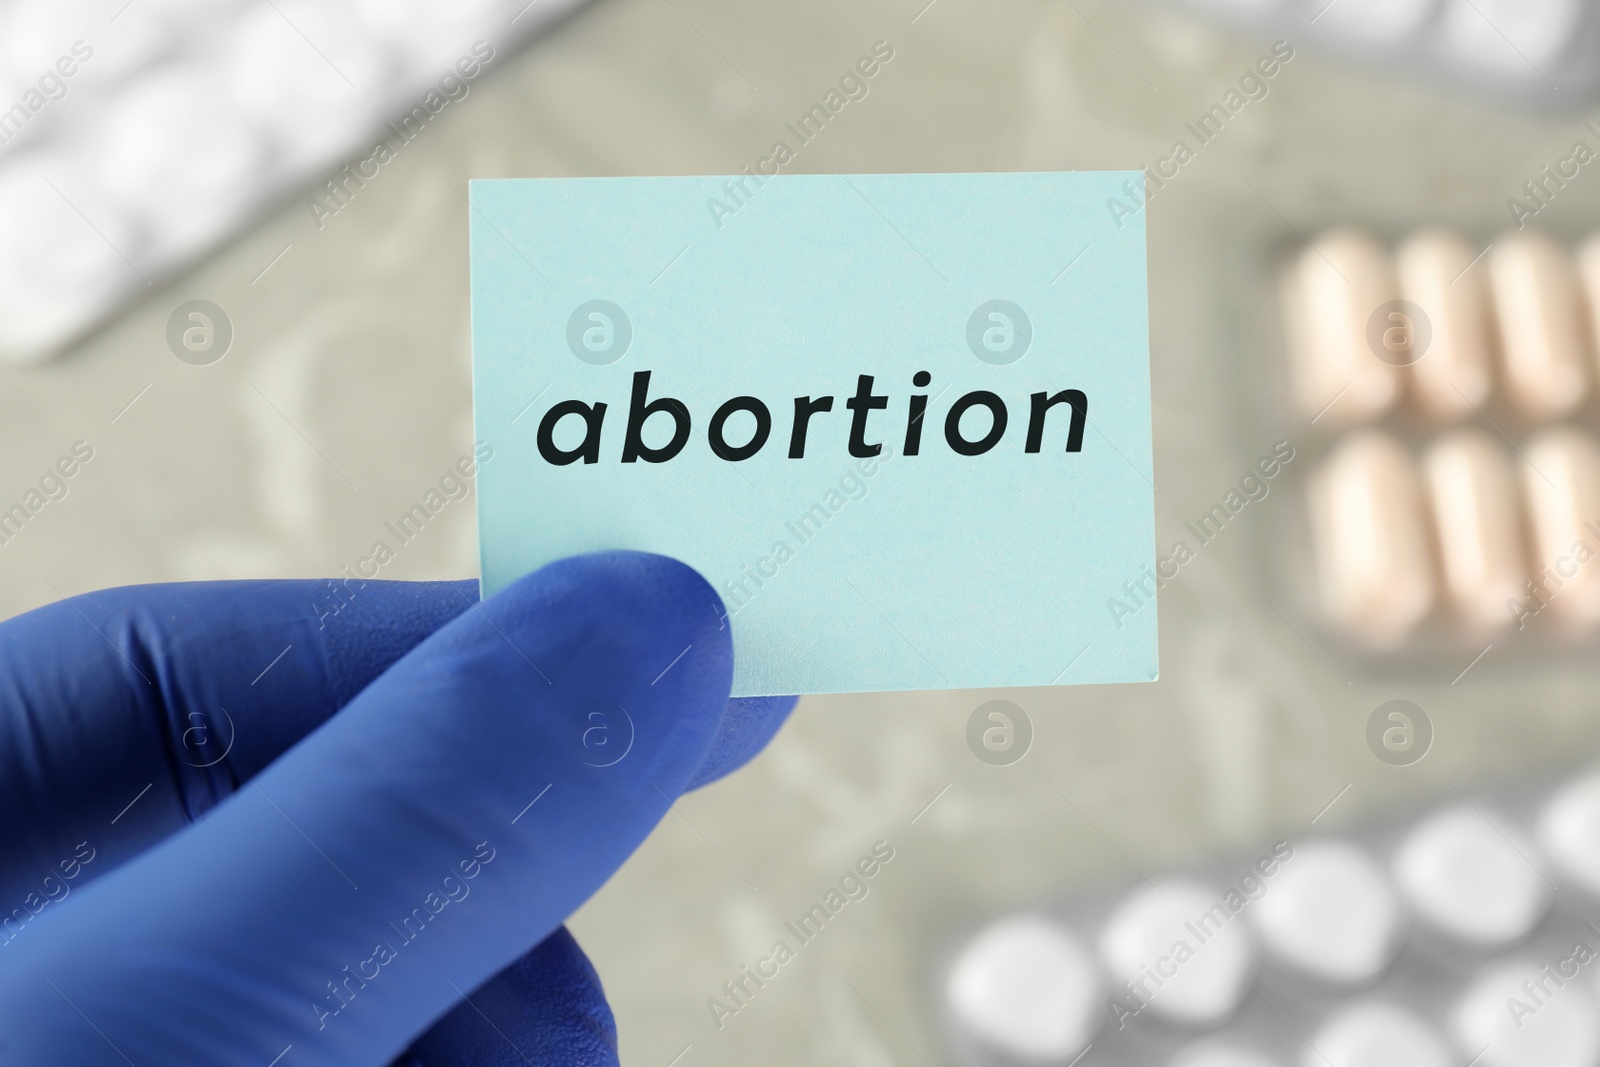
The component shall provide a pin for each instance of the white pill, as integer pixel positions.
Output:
(1452, 375)
(1370, 539)
(435, 34)
(179, 154)
(322, 53)
(34, 35)
(1222, 1054)
(1472, 879)
(1541, 328)
(1519, 38)
(1331, 292)
(1561, 481)
(309, 73)
(1377, 1033)
(1379, 21)
(1477, 513)
(1025, 987)
(57, 266)
(98, 49)
(1251, 7)
(1178, 948)
(1515, 1015)
(194, 9)
(1569, 831)
(1330, 913)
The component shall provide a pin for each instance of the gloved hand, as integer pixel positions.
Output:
(277, 884)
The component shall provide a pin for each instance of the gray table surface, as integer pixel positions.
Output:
(347, 392)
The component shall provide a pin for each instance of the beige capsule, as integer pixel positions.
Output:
(1561, 481)
(1589, 276)
(1330, 291)
(1370, 539)
(1451, 374)
(1538, 310)
(1477, 516)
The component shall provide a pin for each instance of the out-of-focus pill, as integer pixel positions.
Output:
(1378, 21)
(1516, 1015)
(1561, 481)
(1222, 1054)
(183, 186)
(1377, 1033)
(1025, 987)
(1174, 949)
(438, 34)
(1588, 257)
(1370, 539)
(1330, 913)
(1541, 329)
(1250, 7)
(35, 36)
(1516, 37)
(1474, 880)
(1477, 518)
(1331, 292)
(305, 71)
(1569, 831)
(56, 267)
(1451, 373)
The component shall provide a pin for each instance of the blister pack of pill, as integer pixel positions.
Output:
(135, 135)
(1444, 393)
(1465, 933)
(1542, 53)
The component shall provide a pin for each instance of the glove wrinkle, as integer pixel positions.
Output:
(198, 785)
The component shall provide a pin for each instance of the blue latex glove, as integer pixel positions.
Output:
(271, 879)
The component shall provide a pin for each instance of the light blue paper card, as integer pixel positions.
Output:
(962, 553)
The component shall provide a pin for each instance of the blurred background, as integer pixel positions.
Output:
(342, 392)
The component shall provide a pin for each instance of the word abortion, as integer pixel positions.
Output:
(758, 416)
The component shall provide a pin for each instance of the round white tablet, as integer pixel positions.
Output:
(56, 265)
(1516, 37)
(102, 46)
(1182, 948)
(309, 73)
(437, 34)
(1250, 7)
(1222, 1054)
(1377, 1033)
(1472, 878)
(1569, 831)
(1378, 21)
(180, 156)
(1330, 913)
(1027, 988)
(1513, 1027)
